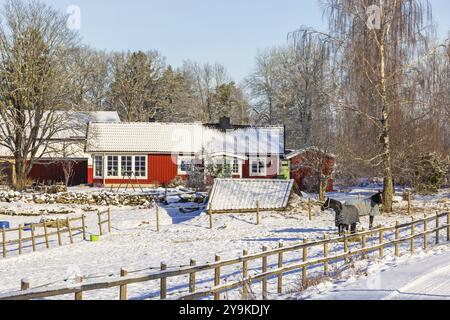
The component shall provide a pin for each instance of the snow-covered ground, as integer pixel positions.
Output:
(136, 245)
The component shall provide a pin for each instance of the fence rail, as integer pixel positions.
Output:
(278, 272)
(24, 234)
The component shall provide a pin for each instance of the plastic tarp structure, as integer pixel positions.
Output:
(243, 194)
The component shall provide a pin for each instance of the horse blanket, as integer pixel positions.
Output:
(364, 207)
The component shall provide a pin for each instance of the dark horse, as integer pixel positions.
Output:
(348, 213)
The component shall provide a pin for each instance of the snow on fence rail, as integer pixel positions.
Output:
(62, 226)
(322, 261)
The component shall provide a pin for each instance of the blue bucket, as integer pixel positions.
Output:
(27, 225)
(4, 224)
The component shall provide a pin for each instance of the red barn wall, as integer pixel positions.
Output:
(50, 170)
(161, 169)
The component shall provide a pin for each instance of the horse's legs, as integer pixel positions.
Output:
(371, 218)
(353, 228)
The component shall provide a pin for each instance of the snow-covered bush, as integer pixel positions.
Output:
(429, 172)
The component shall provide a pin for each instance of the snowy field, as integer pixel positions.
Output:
(136, 245)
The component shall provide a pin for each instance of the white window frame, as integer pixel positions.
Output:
(184, 158)
(145, 166)
(95, 166)
(121, 167)
(118, 166)
(263, 173)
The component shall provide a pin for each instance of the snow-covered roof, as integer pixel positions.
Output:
(242, 194)
(155, 137)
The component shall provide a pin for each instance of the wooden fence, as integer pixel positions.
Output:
(382, 235)
(26, 234)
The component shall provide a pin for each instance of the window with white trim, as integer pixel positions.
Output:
(185, 164)
(140, 166)
(113, 166)
(126, 165)
(98, 166)
(235, 167)
(258, 167)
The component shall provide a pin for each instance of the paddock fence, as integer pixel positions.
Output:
(358, 245)
(34, 235)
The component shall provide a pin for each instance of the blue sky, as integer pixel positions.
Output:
(227, 31)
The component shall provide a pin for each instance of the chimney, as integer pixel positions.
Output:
(225, 123)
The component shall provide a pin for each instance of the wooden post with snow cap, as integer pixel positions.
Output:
(363, 244)
(157, 218)
(412, 235)
(245, 275)
(46, 234)
(33, 238)
(425, 232)
(79, 294)
(58, 231)
(83, 226)
(192, 277)
(24, 284)
(309, 209)
(325, 254)
(217, 278)
(264, 270)
(163, 289)
(397, 237)
(280, 265)
(437, 227)
(304, 269)
(257, 212)
(109, 220)
(99, 222)
(381, 238)
(20, 239)
(409, 202)
(346, 246)
(210, 216)
(4, 241)
(123, 287)
(69, 229)
(448, 226)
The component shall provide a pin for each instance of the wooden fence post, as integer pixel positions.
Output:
(409, 202)
(425, 232)
(33, 239)
(109, 220)
(46, 235)
(58, 231)
(346, 246)
(210, 217)
(325, 254)
(157, 218)
(123, 287)
(437, 227)
(217, 278)
(245, 275)
(305, 258)
(99, 222)
(69, 228)
(309, 209)
(381, 242)
(24, 284)
(257, 212)
(363, 244)
(280, 265)
(4, 241)
(264, 270)
(163, 289)
(397, 237)
(412, 235)
(79, 294)
(192, 277)
(20, 239)
(83, 226)
(448, 226)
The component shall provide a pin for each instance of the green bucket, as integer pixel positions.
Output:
(94, 237)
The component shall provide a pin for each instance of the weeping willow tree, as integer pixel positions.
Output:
(374, 43)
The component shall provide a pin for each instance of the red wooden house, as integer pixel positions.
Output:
(155, 153)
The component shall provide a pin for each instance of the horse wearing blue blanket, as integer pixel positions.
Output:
(347, 214)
